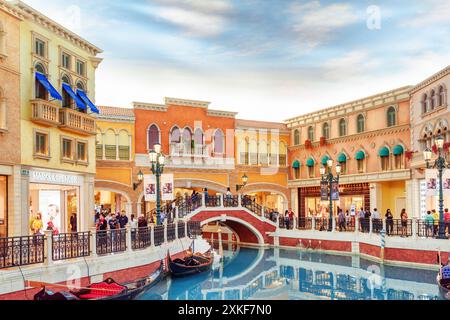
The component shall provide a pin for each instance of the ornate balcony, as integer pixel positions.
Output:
(77, 122)
(44, 112)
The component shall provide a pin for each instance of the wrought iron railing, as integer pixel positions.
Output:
(189, 205)
(181, 229)
(71, 245)
(428, 229)
(171, 236)
(111, 241)
(395, 227)
(345, 225)
(141, 238)
(21, 251)
(284, 225)
(322, 224)
(230, 201)
(251, 205)
(194, 229)
(304, 223)
(364, 225)
(212, 201)
(377, 226)
(158, 234)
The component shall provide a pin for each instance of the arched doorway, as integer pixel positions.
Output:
(112, 199)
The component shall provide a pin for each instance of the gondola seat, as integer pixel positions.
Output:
(445, 272)
(103, 289)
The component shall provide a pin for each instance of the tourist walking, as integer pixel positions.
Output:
(436, 221)
(389, 222)
(447, 220)
(429, 224)
(123, 219)
(286, 219)
(404, 222)
(367, 215)
(341, 220)
(376, 220)
(361, 216)
(291, 218)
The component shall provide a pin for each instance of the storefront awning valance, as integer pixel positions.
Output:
(325, 160)
(342, 158)
(84, 97)
(360, 155)
(310, 162)
(398, 149)
(296, 164)
(48, 86)
(73, 95)
(384, 152)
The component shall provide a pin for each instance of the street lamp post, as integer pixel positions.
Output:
(140, 176)
(327, 175)
(244, 183)
(440, 164)
(157, 161)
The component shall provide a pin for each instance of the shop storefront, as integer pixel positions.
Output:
(56, 196)
(3, 206)
(352, 197)
(113, 201)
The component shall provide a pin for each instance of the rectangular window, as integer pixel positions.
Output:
(80, 68)
(360, 164)
(343, 167)
(41, 144)
(398, 161)
(311, 172)
(81, 151)
(65, 61)
(67, 150)
(384, 163)
(39, 48)
(297, 173)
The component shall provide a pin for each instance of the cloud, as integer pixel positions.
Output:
(197, 18)
(315, 23)
(430, 13)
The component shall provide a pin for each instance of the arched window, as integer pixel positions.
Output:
(282, 158)
(441, 96)
(99, 145)
(263, 153)
(110, 145)
(326, 130)
(391, 117)
(66, 99)
(187, 141)
(219, 145)
(296, 137)
(424, 103)
(398, 152)
(311, 134)
(153, 136)
(124, 145)
(198, 141)
(273, 153)
(81, 86)
(253, 149)
(296, 168)
(243, 151)
(310, 163)
(360, 157)
(432, 100)
(385, 158)
(342, 127)
(40, 91)
(360, 124)
(175, 139)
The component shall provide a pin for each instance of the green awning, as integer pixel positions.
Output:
(384, 152)
(398, 149)
(325, 159)
(342, 158)
(310, 162)
(360, 155)
(296, 164)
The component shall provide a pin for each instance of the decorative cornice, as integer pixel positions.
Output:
(389, 97)
(444, 72)
(11, 10)
(185, 102)
(356, 137)
(101, 117)
(150, 106)
(37, 17)
(220, 113)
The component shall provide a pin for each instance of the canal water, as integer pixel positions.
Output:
(291, 274)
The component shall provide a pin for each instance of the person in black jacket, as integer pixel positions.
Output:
(123, 219)
(73, 223)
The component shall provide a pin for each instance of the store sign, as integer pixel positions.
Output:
(150, 187)
(324, 190)
(432, 182)
(167, 187)
(55, 178)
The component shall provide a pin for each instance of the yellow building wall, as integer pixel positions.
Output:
(121, 175)
(392, 193)
(103, 126)
(218, 178)
(27, 94)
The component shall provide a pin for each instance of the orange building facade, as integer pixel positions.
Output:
(369, 138)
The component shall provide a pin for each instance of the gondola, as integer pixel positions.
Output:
(443, 280)
(191, 264)
(107, 289)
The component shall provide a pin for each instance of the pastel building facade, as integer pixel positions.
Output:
(10, 19)
(369, 138)
(57, 123)
(430, 118)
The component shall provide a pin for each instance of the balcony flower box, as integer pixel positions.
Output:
(323, 141)
(308, 144)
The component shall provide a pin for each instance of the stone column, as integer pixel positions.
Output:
(152, 235)
(413, 198)
(117, 146)
(313, 223)
(414, 228)
(48, 247)
(375, 196)
(128, 239)
(93, 242)
(23, 216)
(87, 203)
(370, 225)
(175, 221)
(165, 231)
(357, 225)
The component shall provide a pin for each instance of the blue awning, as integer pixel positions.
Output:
(84, 97)
(47, 85)
(72, 94)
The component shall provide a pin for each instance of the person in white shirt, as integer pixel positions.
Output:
(376, 220)
(133, 222)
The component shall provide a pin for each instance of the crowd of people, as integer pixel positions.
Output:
(107, 220)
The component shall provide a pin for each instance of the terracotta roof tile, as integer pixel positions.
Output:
(116, 112)
(260, 124)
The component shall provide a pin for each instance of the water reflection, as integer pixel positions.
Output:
(249, 273)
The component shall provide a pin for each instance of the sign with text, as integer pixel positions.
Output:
(335, 191)
(324, 190)
(150, 187)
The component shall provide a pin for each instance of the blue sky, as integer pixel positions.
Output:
(267, 59)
